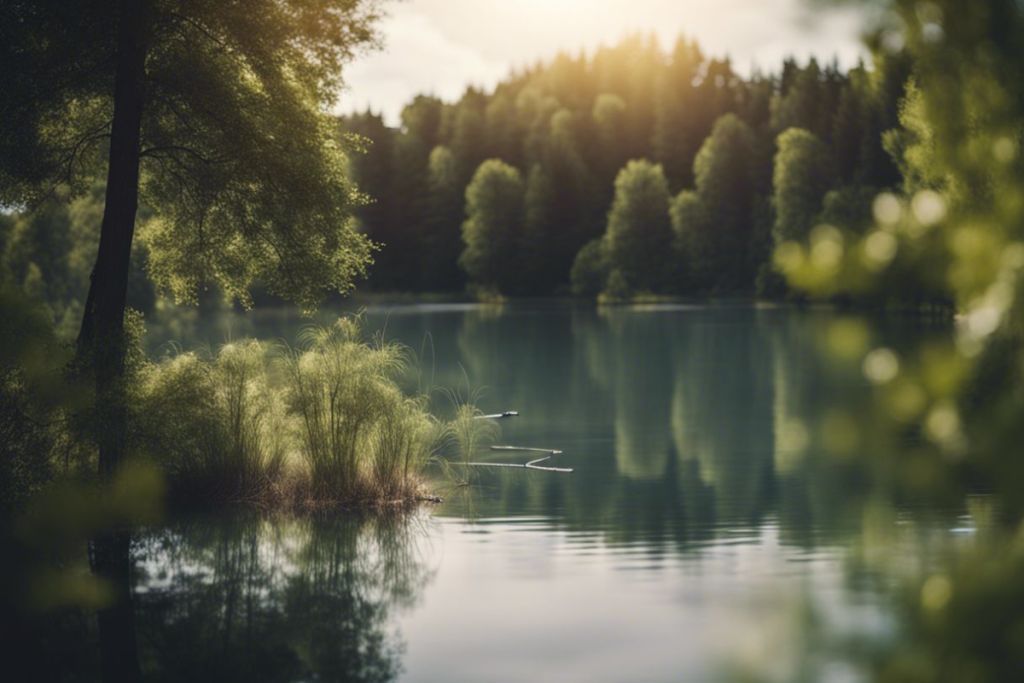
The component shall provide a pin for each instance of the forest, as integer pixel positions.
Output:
(631, 169)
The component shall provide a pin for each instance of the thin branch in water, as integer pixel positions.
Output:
(531, 465)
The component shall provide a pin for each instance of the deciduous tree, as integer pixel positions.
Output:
(213, 114)
(639, 235)
(493, 230)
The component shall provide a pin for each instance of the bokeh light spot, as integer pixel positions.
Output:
(887, 209)
(881, 366)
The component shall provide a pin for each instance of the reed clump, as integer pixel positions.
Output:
(324, 422)
(359, 435)
(216, 425)
(467, 433)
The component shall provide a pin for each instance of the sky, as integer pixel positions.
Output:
(440, 47)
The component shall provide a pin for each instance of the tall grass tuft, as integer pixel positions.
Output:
(406, 439)
(216, 426)
(469, 432)
(254, 415)
(325, 422)
(359, 435)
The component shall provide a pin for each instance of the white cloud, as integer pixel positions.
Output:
(417, 58)
(441, 46)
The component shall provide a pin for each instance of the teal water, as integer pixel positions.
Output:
(712, 528)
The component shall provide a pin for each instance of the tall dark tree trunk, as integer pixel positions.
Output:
(101, 340)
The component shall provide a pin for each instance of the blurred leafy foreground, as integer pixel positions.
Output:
(956, 227)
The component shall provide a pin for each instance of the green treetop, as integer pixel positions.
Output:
(724, 172)
(493, 229)
(639, 232)
(801, 178)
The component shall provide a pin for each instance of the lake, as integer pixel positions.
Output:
(718, 523)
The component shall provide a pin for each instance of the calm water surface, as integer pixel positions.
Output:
(708, 532)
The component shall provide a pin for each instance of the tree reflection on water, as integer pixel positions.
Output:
(252, 597)
(260, 599)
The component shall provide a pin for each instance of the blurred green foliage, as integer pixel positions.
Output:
(33, 398)
(951, 231)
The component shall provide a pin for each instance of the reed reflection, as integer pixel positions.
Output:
(270, 599)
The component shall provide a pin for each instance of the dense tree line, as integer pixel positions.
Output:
(631, 169)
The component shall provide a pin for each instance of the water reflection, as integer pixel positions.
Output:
(679, 420)
(242, 598)
(734, 514)
(277, 600)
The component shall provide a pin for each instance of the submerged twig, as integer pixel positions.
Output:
(531, 465)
